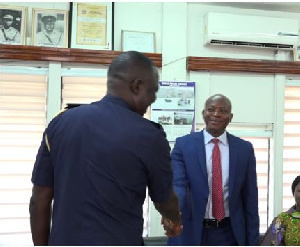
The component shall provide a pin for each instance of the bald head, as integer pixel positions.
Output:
(133, 77)
(128, 66)
(218, 97)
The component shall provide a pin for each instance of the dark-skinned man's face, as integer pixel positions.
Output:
(217, 115)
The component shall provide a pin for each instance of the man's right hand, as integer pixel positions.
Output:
(171, 229)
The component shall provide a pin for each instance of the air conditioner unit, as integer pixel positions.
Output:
(251, 31)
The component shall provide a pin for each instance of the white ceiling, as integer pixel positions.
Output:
(274, 6)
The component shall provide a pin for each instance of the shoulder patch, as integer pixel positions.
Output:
(61, 111)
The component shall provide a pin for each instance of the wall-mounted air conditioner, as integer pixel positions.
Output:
(252, 31)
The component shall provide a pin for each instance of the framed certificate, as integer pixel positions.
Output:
(138, 41)
(92, 25)
(13, 25)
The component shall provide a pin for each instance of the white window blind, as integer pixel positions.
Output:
(291, 143)
(86, 90)
(261, 149)
(22, 122)
(82, 90)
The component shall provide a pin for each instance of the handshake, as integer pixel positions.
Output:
(171, 216)
(171, 229)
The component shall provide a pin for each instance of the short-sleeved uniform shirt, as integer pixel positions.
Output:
(54, 39)
(10, 35)
(102, 157)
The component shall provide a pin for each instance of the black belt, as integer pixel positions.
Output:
(209, 223)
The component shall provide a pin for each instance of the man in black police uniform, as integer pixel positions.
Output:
(96, 161)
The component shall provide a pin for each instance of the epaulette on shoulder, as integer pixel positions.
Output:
(68, 106)
(60, 112)
(157, 125)
(72, 105)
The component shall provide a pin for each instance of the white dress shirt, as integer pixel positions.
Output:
(224, 150)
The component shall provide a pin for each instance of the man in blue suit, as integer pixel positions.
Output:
(192, 169)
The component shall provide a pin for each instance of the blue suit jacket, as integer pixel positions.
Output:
(191, 185)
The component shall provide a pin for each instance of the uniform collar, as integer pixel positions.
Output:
(116, 100)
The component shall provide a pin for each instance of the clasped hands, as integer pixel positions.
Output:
(171, 229)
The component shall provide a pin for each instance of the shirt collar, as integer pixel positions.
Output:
(116, 100)
(208, 137)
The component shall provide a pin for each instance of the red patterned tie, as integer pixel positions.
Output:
(217, 187)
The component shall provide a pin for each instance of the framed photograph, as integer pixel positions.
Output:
(296, 52)
(138, 41)
(13, 25)
(50, 27)
(92, 25)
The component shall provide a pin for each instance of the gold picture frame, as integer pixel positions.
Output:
(13, 25)
(138, 41)
(50, 28)
(92, 25)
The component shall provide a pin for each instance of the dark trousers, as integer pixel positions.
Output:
(221, 236)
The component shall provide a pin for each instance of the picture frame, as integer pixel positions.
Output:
(138, 41)
(50, 28)
(296, 53)
(92, 25)
(13, 24)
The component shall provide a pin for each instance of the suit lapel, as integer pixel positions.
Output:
(200, 150)
(233, 152)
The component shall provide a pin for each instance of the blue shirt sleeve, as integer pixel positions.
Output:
(158, 161)
(42, 174)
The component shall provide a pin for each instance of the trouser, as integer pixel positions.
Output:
(218, 235)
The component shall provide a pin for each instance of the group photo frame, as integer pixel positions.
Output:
(92, 25)
(50, 28)
(13, 24)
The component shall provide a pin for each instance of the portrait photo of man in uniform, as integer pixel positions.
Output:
(50, 30)
(10, 27)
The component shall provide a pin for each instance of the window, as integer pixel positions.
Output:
(261, 149)
(82, 90)
(22, 122)
(291, 142)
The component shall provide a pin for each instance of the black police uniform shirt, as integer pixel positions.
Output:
(102, 156)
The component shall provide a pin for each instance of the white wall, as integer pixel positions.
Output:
(178, 29)
(239, 87)
(138, 16)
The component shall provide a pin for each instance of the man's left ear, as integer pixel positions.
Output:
(135, 86)
(231, 116)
